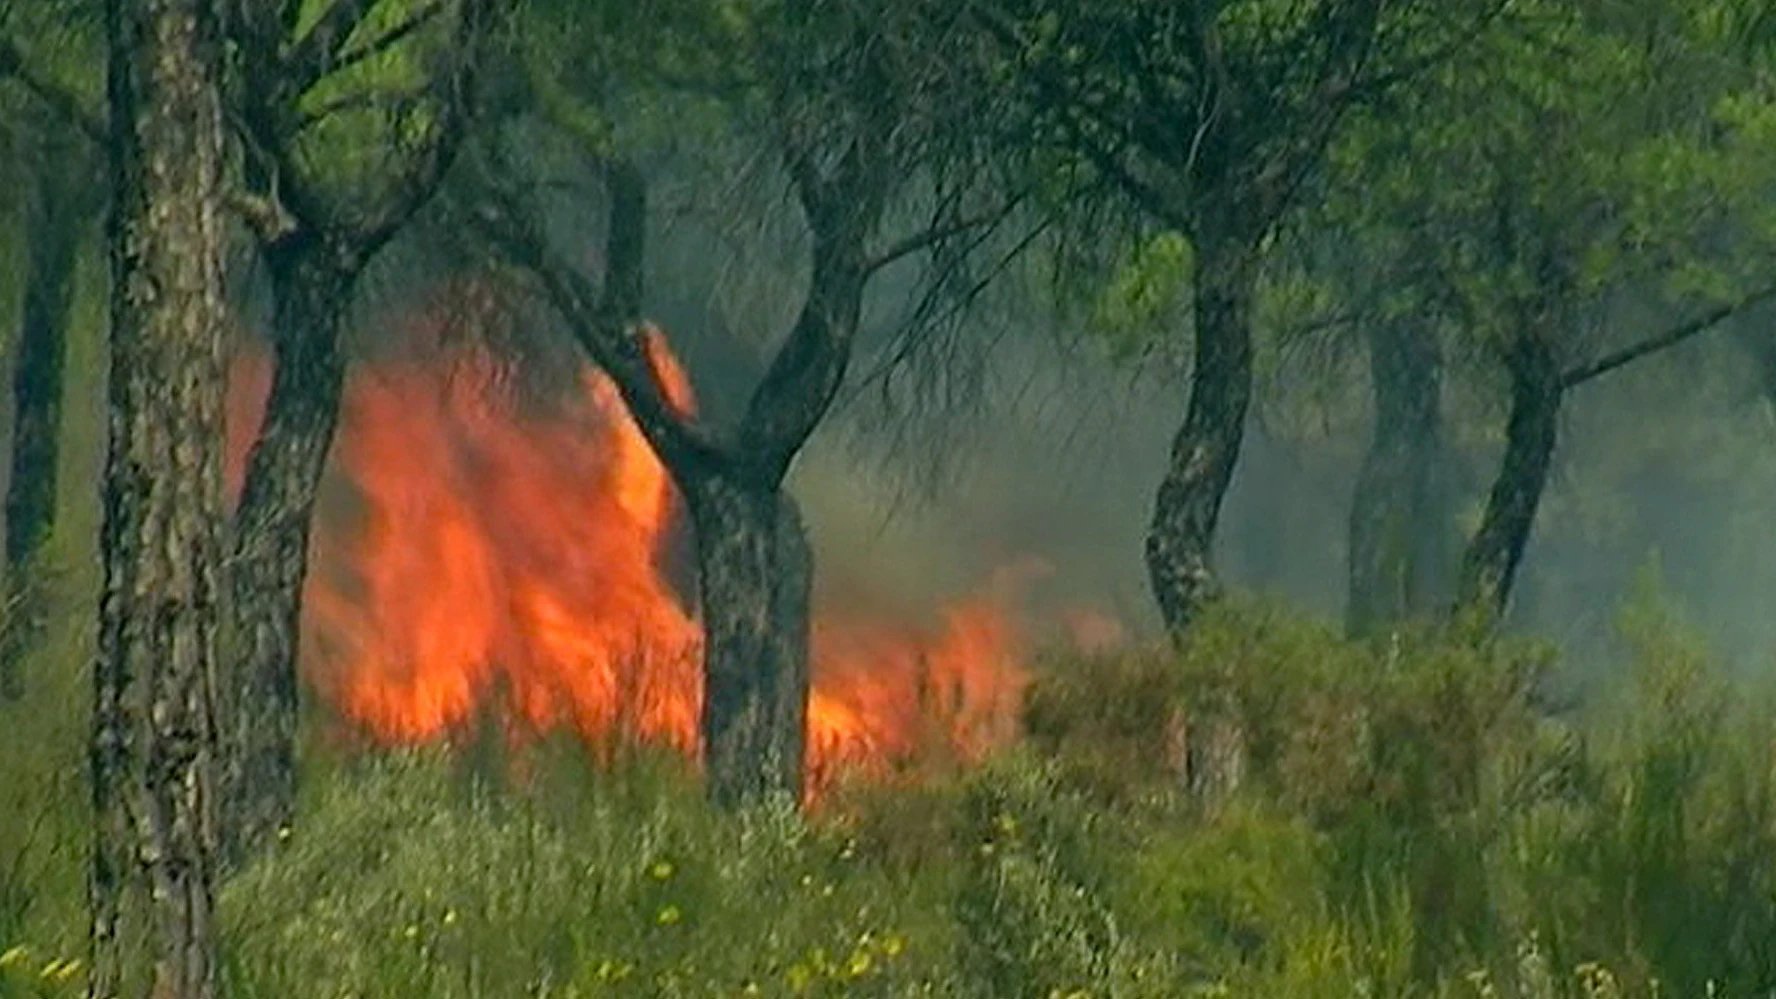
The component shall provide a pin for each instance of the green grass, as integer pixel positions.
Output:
(1409, 827)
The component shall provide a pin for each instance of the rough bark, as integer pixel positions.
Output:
(1204, 453)
(1399, 520)
(1489, 565)
(153, 737)
(1207, 446)
(754, 576)
(316, 242)
(58, 207)
(312, 276)
(754, 565)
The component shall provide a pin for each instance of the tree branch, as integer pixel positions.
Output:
(365, 100)
(625, 240)
(270, 221)
(1670, 338)
(601, 324)
(317, 53)
(52, 95)
(933, 235)
(418, 178)
(392, 37)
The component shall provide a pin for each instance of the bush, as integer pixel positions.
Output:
(1410, 826)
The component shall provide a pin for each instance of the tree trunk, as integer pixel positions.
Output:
(55, 226)
(154, 735)
(754, 576)
(311, 277)
(1207, 446)
(1759, 339)
(1203, 456)
(1399, 520)
(1490, 563)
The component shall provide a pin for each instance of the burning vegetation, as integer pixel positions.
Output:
(478, 549)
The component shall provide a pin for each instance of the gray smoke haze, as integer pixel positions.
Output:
(1046, 449)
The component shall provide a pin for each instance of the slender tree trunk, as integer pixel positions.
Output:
(55, 227)
(1207, 447)
(1759, 340)
(754, 576)
(311, 277)
(154, 734)
(1490, 563)
(1398, 518)
(1203, 457)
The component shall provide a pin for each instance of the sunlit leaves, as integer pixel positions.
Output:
(1572, 147)
(1130, 312)
(360, 121)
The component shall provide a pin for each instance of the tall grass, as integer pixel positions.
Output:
(1411, 825)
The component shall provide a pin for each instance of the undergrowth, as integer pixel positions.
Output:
(1410, 825)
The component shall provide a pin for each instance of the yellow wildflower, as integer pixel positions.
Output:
(860, 963)
(612, 971)
(893, 944)
(661, 870)
(14, 955)
(669, 916)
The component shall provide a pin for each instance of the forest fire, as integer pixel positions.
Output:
(478, 550)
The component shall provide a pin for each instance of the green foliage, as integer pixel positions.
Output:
(1137, 306)
(1568, 151)
(406, 882)
(360, 122)
(1410, 827)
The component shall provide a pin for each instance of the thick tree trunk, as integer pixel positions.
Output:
(1207, 446)
(1399, 520)
(55, 227)
(1490, 563)
(754, 576)
(311, 277)
(154, 735)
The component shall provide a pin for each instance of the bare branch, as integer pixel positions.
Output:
(392, 37)
(1670, 338)
(419, 177)
(365, 100)
(317, 53)
(625, 240)
(608, 336)
(929, 237)
(270, 221)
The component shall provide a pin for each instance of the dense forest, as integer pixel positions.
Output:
(1000, 498)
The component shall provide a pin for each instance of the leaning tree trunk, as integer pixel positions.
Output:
(54, 229)
(154, 735)
(311, 278)
(1490, 563)
(1189, 503)
(1207, 447)
(754, 577)
(1398, 516)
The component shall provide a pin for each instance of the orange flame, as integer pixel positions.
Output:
(473, 546)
